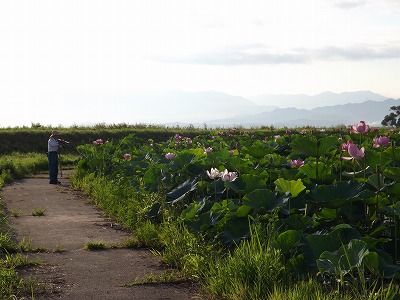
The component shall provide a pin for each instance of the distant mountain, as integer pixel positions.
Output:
(175, 107)
(159, 106)
(371, 112)
(319, 100)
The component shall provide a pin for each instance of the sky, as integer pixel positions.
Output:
(58, 51)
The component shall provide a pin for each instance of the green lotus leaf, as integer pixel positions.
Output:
(264, 200)
(341, 191)
(310, 170)
(258, 150)
(394, 190)
(243, 211)
(152, 178)
(246, 183)
(288, 241)
(377, 181)
(311, 147)
(236, 230)
(306, 146)
(296, 222)
(378, 266)
(374, 159)
(344, 260)
(182, 190)
(202, 223)
(294, 187)
(392, 173)
(190, 212)
(341, 235)
(154, 211)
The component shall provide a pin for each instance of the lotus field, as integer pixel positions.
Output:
(328, 198)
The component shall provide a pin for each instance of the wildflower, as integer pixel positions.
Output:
(354, 152)
(178, 137)
(361, 127)
(381, 141)
(208, 150)
(127, 156)
(98, 142)
(231, 152)
(277, 137)
(296, 163)
(214, 173)
(228, 176)
(189, 140)
(170, 156)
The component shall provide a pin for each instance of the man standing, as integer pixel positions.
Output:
(52, 154)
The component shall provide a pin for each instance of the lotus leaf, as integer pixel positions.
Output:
(289, 241)
(378, 266)
(294, 187)
(182, 190)
(154, 211)
(296, 222)
(341, 235)
(263, 200)
(236, 230)
(340, 192)
(246, 184)
(344, 260)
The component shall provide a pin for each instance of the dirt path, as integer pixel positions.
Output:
(69, 223)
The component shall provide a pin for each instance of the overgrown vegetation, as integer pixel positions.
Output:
(213, 224)
(290, 220)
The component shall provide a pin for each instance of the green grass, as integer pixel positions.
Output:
(152, 278)
(93, 246)
(38, 212)
(251, 271)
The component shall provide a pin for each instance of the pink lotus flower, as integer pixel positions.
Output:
(208, 150)
(98, 142)
(361, 127)
(381, 141)
(345, 146)
(231, 152)
(296, 163)
(127, 156)
(170, 156)
(214, 173)
(354, 152)
(228, 176)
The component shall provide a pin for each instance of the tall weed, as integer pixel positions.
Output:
(251, 271)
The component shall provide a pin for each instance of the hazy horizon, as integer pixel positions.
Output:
(61, 61)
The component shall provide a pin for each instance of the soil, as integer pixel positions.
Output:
(66, 270)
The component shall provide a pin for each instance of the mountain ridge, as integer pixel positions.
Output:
(369, 111)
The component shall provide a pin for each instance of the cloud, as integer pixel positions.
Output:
(260, 54)
(241, 55)
(361, 52)
(392, 5)
(349, 3)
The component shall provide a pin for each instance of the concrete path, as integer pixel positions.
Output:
(67, 271)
